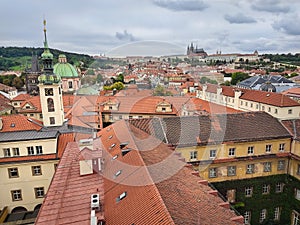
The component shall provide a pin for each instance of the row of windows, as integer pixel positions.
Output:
(14, 172)
(7, 152)
(251, 104)
(262, 215)
(250, 168)
(16, 195)
(232, 151)
(265, 189)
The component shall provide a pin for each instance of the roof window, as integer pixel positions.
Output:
(118, 173)
(115, 157)
(121, 196)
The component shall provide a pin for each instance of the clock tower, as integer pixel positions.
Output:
(50, 90)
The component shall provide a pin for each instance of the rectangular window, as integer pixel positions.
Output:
(262, 216)
(13, 172)
(16, 195)
(290, 111)
(296, 218)
(36, 170)
(41, 116)
(250, 150)
(298, 169)
(120, 117)
(212, 154)
(52, 120)
(39, 192)
(231, 170)
(250, 168)
(281, 165)
(265, 189)
(251, 105)
(263, 108)
(30, 150)
(248, 191)
(6, 152)
(267, 167)
(269, 109)
(247, 217)
(281, 147)
(231, 152)
(212, 172)
(277, 213)
(268, 148)
(276, 111)
(193, 155)
(39, 150)
(279, 188)
(16, 151)
(130, 117)
(297, 194)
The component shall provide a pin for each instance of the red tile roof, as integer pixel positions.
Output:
(270, 98)
(68, 199)
(19, 122)
(21, 97)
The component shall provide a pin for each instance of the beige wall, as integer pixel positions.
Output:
(26, 182)
(48, 145)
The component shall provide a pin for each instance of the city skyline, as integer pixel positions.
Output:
(140, 27)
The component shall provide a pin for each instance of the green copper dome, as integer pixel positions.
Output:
(47, 54)
(64, 69)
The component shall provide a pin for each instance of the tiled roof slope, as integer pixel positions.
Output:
(142, 204)
(187, 201)
(218, 128)
(270, 98)
(18, 122)
(293, 127)
(68, 198)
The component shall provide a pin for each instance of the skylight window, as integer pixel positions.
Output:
(113, 145)
(110, 137)
(121, 196)
(115, 157)
(118, 173)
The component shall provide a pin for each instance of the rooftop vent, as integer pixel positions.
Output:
(123, 144)
(95, 202)
(12, 125)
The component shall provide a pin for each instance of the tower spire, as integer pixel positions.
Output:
(45, 34)
(47, 56)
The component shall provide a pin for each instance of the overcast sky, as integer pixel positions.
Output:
(153, 27)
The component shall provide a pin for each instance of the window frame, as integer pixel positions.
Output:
(265, 189)
(39, 192)
(231, 151)
(11, 172)
(213, 172)
(193, 155)
(231, 172)
(267, 166)
(15, 193)
(39, 149)
(281, 165)
(250, 150)
(248, 191)
(250, 168)
(35, 169)
(268, 148)
(212, 153)
(6, 152)
(30, 150)
(16, 150)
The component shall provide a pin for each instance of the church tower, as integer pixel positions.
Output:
(50, 90)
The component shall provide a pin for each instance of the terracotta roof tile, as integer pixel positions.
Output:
(18, 122)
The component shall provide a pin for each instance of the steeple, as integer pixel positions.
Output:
(47, 56)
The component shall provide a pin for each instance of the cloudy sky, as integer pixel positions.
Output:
(153, 27)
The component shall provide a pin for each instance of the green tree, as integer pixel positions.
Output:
(238, 76)
(18, 83)
(159, 90)
(117, 86)
(90, 72)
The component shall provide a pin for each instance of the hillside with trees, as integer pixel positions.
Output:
(18, 58)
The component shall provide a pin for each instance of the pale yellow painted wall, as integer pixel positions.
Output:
(25, 182)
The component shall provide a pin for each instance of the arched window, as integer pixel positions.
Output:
(70, 84)
(50, 104)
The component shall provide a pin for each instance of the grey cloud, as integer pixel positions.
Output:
(239, 18)
(182, 5)
(273, 6)
(288, 25)
(125, 36)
